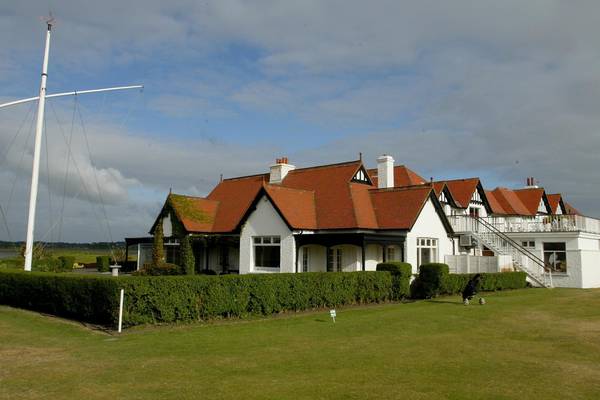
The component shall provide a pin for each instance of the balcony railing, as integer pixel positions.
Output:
(554, 223)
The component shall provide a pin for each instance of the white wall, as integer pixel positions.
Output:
(265, 221)
(373, 256)
(428, 225)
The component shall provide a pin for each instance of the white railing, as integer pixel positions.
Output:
(555, 223)
(494, 239)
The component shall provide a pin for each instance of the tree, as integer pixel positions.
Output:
(187, 256)
(158, 250)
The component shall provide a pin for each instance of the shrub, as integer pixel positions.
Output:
(103, 263)
(401, 273)
(48, 264)
(455, 283)
(158, 249)
(187, 256)
(91, 299)
(154, 299)
(430, 282)
(159, 270)
(67, 263)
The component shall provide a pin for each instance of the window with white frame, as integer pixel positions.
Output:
(305, 259)
(555, 256)
(267, 251)
(334, 260)
(427, 250)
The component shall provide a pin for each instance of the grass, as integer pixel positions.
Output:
(82, 256)
(525, 344)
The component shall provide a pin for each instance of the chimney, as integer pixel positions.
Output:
(279, 170)
(531, 183)
(385, 172)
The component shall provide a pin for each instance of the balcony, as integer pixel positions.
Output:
(555, 223)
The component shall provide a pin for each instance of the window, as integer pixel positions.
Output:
(426, 250)
(391, 253)
(334, 260)
(224, 256)
(528, 244)
(555, 256)
(305, 259)
(474, 212)
(361, 176)
(267, 251)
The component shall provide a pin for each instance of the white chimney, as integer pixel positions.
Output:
(385, 172)
(279, 170)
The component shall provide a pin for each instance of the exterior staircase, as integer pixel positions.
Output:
(492, 238)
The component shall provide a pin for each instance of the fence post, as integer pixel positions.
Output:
(121, 310)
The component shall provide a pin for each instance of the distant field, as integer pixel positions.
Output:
(524, 344)
(82, 256)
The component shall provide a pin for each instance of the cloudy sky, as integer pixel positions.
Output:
(500, 90)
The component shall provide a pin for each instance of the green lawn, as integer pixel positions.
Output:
(526, 344)
(82, 256)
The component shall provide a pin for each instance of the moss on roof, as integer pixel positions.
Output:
(187, 208)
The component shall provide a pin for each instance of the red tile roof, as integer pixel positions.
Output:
(403, 176)
(235, 197)
(571, 210)
(494, 203)
(399, 208)
(462, 190)
(510, 203)
(296, 206)
(554, 200)
(531, 198)
(322, 197)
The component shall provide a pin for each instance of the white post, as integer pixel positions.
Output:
(36, 155)
(121, 310)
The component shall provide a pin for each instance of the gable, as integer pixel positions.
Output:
(361, 176)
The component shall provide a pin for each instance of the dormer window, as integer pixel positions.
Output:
(361, 177)
(443, 198)
(476, 198)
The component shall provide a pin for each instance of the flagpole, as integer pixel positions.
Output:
(35, 174)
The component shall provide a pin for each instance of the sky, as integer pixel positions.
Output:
(499, 90)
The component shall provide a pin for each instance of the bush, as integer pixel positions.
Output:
(159, 270)
(153, 299)
(187, 256)
(189, 298)
(430, 282)
(401, 273)
(91, 299)
(48, 264)
(67, 263)
(455, 283)
(103, 263)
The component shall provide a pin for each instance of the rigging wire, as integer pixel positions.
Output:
(64, 195)
(48, 184)
(87, 143)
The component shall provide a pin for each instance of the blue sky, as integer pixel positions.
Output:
(452, 89)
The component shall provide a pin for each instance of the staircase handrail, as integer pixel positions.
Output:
(516, 245)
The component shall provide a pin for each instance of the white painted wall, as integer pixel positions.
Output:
(317, 260)
(265, 221)
(373, 256)
(428, 225)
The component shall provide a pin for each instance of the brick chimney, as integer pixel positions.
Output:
(531, 183)
(279, 170)
(385, 171)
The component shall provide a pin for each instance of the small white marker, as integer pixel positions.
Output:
(332, 314)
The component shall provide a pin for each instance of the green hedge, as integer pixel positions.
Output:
(401, 273)
(85, 298)
(103, 263)
(66, 262)
(153, 299)
(430, 281)
(190, 298)
(455, 283)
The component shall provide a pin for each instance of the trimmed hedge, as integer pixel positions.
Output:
(103, 263)
(67, 262)
(153, 299)
(85, 298)
(191, 298)
(430, 281)
(401, 273)
(455, 283)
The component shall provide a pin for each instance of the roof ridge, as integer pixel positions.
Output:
(340, 164)
(402, 188)
(269, 185)
(239, 178)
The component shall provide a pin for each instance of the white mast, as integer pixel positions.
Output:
(35, 175)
